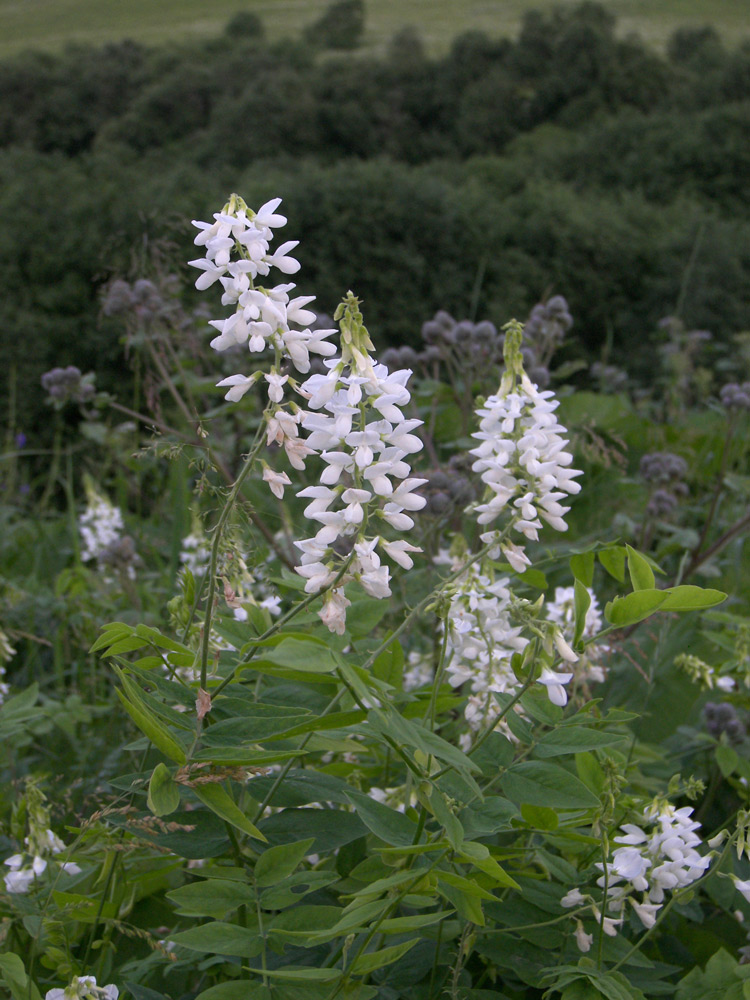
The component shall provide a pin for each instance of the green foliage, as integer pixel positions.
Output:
(248, 803)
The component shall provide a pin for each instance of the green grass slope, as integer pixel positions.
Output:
(51, 24)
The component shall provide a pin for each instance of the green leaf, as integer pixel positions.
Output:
(110, 634)
(639, 605)
(581, 989)
(277, 863)
(479, 856)
(641, 574)
(236, 756)
(14, 975)
(574, 739)
(151, 727)
(541, 817)
(221, 802)
(582, 566)
(613, 560)
(386, 823)
(219, 938)
(389, 666)
(301, 655)
(238, 989)
(155, 637)
(542, 784)
(211, 898)
(466, 885)
(411, 734)
(294, 888)
(449, 822)
(690, 598)
(385, 956)
(401, 925)
(590, 772)
(727, 759)
(314, 925)
(307, 973)
(331, 828)
(83, 908)
(334, 720)
(163, 793)
(635, 607)
(468, 906)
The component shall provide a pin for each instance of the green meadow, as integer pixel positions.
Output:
(52, 24)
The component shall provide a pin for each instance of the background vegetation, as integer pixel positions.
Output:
(485, 174)
(568, 159)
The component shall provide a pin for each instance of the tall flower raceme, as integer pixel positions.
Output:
(239, 256)
(101, 528)
(521, 457)
(355, 423)
(482, 641)
(41, 844)
(487, 625)
(657, 856)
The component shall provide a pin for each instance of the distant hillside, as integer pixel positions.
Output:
(51, 24)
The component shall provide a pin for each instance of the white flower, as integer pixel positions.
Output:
(572, 898)
(583, 940)
(239, 383)
(275, 383)
(554, 683)
(521, 458)
(740, 886)
(659, 855)
(563, 648)
(276, 481)
(83, 988)
(646, 912)
(333, 614)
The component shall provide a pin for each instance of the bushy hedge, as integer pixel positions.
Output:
(568, 159)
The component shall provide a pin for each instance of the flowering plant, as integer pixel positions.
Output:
(375, 755)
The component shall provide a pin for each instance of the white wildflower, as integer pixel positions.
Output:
(583, 940)
(83, 988)
(521, 454)
(657, 856)
(356, 425)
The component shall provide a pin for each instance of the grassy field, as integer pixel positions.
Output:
(51, 24)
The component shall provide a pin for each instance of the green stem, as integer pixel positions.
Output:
(215, 543)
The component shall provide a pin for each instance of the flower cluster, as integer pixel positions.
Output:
(656, 857)
(41, 843)
(100, 527)
(722, 718)
(666, 471)
(735, 396)
(703, 673)
(238, 253)
(482, 641)
(356, 425)
(83, 988)
(486, 627)
(419, 670)
(195, 553)
(68, 384)
(521, 457)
